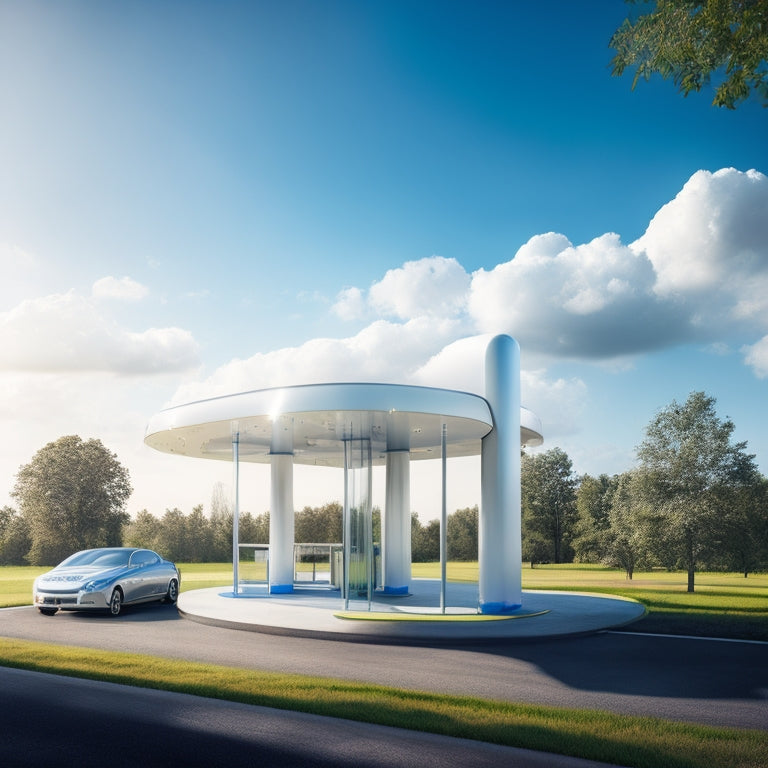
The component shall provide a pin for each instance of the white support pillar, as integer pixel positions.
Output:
(281, 512)
(235, 510)
(500, 544)
(396, 523)
(396, 531)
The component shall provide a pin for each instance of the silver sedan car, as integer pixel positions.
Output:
(106, 579)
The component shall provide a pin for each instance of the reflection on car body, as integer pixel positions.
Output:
(106, 579)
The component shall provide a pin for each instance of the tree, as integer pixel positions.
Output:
(745, 529)
(199, 534)
(173, 541)
(143, 531)
(252, 530)
(548, 506)
(592, 528)
(692, 41)
(14, 537)
(627, 543)
(462, 534)
(425, 540)
(72, 495)
(319, 524)
(689, 469)
(221, 523)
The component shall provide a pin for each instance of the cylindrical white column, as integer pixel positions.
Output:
(235, 510)
(500, 545)
(281, 512)
(396, 531)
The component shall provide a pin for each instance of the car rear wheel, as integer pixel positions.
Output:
(48, 611)
(172, 595)
(116, 602)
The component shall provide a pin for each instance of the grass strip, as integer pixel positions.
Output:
(643, 742)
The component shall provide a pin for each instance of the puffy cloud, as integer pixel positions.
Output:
(432, 287)
(124, 289)
(709, 248)
(594, 300)
(381, 352)
(704, 256)
(66, 332)
(461, 365)
(756, 356)
(698, 274)
(350, 304)
(712, 240)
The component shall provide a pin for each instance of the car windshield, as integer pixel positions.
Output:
(104, 558)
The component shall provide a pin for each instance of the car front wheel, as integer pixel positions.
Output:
(173, 592)
(116, 602)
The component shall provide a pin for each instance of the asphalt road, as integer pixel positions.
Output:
(704, 681)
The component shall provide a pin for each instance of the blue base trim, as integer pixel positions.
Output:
(395, 590)
(280, 589)
(496, 608)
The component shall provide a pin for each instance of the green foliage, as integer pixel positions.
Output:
(425, 540)
(628, 542)
(744, 529)
(592, 528)
(14, 537)
(194, 538)
(690, 479)
(694, 41)
(548, 506)
(320, 524)
(72, 496)
(462, 534)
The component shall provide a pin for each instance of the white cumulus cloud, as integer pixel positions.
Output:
(709, 248)
(432, 287)
(67, 332)
(124, 289)
(382, 352)
(594, 300)
(349, 304)
(756, 356)
(698, 275)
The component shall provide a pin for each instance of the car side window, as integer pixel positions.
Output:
(144, 557)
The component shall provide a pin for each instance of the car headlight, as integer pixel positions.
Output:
(93, 586)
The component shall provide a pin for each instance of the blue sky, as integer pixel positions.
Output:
(204, 197)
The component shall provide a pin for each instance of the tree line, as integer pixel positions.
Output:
(694, 501)
(199, 538)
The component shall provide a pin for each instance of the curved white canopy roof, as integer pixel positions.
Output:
(313, 421)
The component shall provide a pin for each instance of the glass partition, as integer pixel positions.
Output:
(253, 566)
(358, 529)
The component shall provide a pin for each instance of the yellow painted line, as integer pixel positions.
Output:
(452, 617)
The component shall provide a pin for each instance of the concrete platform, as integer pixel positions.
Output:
(317, 611)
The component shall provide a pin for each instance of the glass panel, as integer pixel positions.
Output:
(358, 524)
(253, 566)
